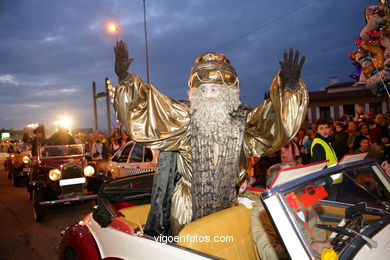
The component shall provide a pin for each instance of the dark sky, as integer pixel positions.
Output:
(52, 51)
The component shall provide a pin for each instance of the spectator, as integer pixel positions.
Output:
(39, 139)
(288, 153)
(61, 137)
(298, 139)
(364, 146)
(331, 131)
(364, 133)
(321, 148)
(375, 132)
(97, 151)
(26, 136)
(360, 115)
(381, 123)
(371, 114)
(385, 144)
(339, 141)
(125, 139)
(304, 154)
(114, 146)
(311, 135)
(353, 132)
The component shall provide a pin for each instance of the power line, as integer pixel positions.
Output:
(243, 35)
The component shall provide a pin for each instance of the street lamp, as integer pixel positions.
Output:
(115, 29)
(146, 46)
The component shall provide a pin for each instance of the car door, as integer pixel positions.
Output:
(119, 159)
(138, 162)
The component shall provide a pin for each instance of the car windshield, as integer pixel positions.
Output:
(62, 151)
(337, 207)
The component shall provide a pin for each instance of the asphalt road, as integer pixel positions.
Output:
(23, 238)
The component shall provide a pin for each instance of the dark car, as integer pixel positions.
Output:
(61, 175)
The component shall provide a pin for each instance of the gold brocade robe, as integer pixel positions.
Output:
(163, 123)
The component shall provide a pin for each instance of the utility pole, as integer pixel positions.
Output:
(100, 95)
(146, 47)
(95, 118)
(107, 82)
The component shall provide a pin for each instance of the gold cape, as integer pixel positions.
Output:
(160, 122)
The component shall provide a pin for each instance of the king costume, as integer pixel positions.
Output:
(209, 171)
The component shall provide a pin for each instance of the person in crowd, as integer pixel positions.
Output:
(298, 139)
(330, 131)
(97, 154)
(61, 137)
(304, 154)
(353, 132)
(375, 132)
(298, 160)
(114, 146)
(125, 138)
(381, 123)
(263, 232)
(364, 146)
(38, 139)
(360, 114)
(364, 133)
(311, 135)
(321, 149)
(385, 144)
(371, 114)
(26, 136)
(288, 153)
(339, 142)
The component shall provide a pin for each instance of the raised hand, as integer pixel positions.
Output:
(290, 70)
(122, 61)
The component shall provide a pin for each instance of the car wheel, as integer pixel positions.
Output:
(39, 211)
(10, 173)
(15, 181)
(29, 191)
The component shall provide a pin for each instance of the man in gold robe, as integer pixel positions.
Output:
(213, 134)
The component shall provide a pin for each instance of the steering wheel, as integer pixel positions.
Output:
(344, 232)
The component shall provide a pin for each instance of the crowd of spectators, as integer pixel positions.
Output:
(363, 132)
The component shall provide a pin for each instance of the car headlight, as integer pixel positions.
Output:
(26, 159)
(55, 174)
(89, 171)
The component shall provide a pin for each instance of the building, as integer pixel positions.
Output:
(343, 98)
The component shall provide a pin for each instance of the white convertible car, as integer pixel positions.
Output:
(348, 203)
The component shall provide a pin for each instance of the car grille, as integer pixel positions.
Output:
(70, 171)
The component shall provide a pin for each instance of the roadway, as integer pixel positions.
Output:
(23, 238)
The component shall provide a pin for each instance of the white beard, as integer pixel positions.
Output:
(212, 115)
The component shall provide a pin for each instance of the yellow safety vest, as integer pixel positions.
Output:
(329, 152)
(330, 155)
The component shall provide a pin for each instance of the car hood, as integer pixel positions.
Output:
(57, 163)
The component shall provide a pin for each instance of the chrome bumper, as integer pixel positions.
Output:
(67, 200)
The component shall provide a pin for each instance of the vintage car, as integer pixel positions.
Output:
(61, 175)
(131, 159)
(347, 204)
(18, 163)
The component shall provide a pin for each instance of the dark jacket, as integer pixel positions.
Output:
(339, 144)
(319, 153)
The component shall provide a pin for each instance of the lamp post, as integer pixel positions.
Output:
(146, 46)
(114, 28)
